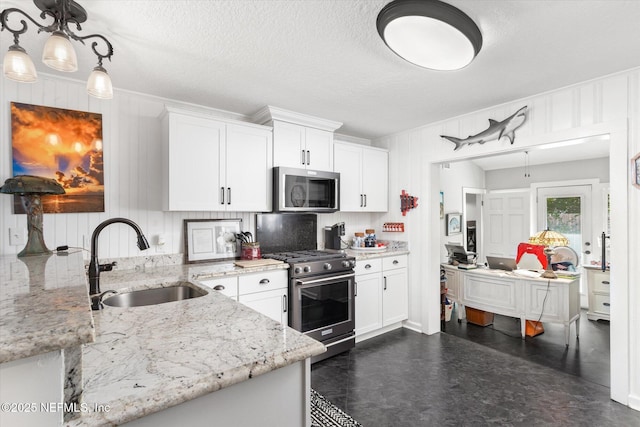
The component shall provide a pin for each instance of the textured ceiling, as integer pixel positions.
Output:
(324, 57)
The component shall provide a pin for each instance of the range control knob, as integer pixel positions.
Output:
(326, 266)
(297, 270)
(346, 264)
(307, 269)
(353, 263)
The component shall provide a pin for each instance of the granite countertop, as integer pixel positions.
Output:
(362, 255)
(44, 305)
(146, 359)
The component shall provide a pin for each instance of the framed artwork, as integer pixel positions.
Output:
(441, 205)
(211, 239)
(65, 145)
(635, 170)
(454, 221)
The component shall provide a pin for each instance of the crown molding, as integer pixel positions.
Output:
(270, 113)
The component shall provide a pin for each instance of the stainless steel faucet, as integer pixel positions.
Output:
(95, 267)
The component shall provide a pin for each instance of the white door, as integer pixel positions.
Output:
(395, 296)
(195, 150)
(375, 179)
(368, 303)
(318, 149)
(249, 176)
(270, 303)
(506, 216)
(567, 210)
(288, 145)
(348, 162)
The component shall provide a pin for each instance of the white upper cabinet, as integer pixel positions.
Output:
(300, 141)
(364, 177)
(296, 146)
(215, 165)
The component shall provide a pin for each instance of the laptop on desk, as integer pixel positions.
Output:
(500, 263)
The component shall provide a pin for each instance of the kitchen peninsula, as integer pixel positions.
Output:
(166, 357)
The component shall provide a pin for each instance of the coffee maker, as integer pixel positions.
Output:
(332, 236)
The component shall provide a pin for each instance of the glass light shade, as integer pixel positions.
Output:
(549, 238)
(99, 84)
(59, 54)
(18, 66)
(429, 43)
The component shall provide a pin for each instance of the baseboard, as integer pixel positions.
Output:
(414, 326)
(634, 402)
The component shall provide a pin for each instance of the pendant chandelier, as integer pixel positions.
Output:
(58, 52)
(429, 33)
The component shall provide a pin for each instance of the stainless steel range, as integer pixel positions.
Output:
(321, 283)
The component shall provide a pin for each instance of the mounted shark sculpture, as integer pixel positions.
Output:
(496, 130)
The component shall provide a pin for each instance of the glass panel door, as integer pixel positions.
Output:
(567, 210)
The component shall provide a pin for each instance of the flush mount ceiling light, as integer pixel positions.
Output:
(429, 33)
(58, 52)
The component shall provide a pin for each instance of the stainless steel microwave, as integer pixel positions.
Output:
(305, 190)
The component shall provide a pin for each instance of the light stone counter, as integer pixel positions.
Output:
(146, 359)
(361, 255)
(44, 305)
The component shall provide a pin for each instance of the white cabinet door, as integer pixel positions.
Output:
(368, 303)
(348, 162)
(248, 167)
(395, 301)
(375, 180)
(319, 149)
(288, 145)
(297, 146)
(270, 303)
(364, 177)
(193, 152)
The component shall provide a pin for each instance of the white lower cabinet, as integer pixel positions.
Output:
(381, 295)
(599, 287)
(265, 292)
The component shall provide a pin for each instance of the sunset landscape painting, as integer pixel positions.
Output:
(64, 145)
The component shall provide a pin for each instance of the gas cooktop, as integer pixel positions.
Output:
(305, 256)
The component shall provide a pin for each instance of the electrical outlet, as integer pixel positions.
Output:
(161, 241)
(17, 237)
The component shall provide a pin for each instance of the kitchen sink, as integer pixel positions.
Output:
(153, 296)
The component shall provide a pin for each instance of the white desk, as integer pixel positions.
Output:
(505, 293)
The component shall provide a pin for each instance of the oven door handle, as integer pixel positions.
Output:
(325, 279)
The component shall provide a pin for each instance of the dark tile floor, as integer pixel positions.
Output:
(588, 357)
(404, 378)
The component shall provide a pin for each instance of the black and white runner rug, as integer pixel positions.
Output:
(326, 414)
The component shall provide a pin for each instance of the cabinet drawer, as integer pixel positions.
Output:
(601, 281)
(367, 266)
(225, 285)
(601, 303)
(260, 282)
(392, 262)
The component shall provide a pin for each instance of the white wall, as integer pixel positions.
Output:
(610, 105)
(501, 179)
(132, 159)
(453, 177)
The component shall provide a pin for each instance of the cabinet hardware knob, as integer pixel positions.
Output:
(219, 288)
(285, 306)
(385, 283)
(308, 157)
(368, 266)
(229, 195)
(587, 252)
(395, 261)
(605, 282)
(302, 158)
(264, 281)
(365, 200)
(606, 304)
(222, 195)
(355, 289)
